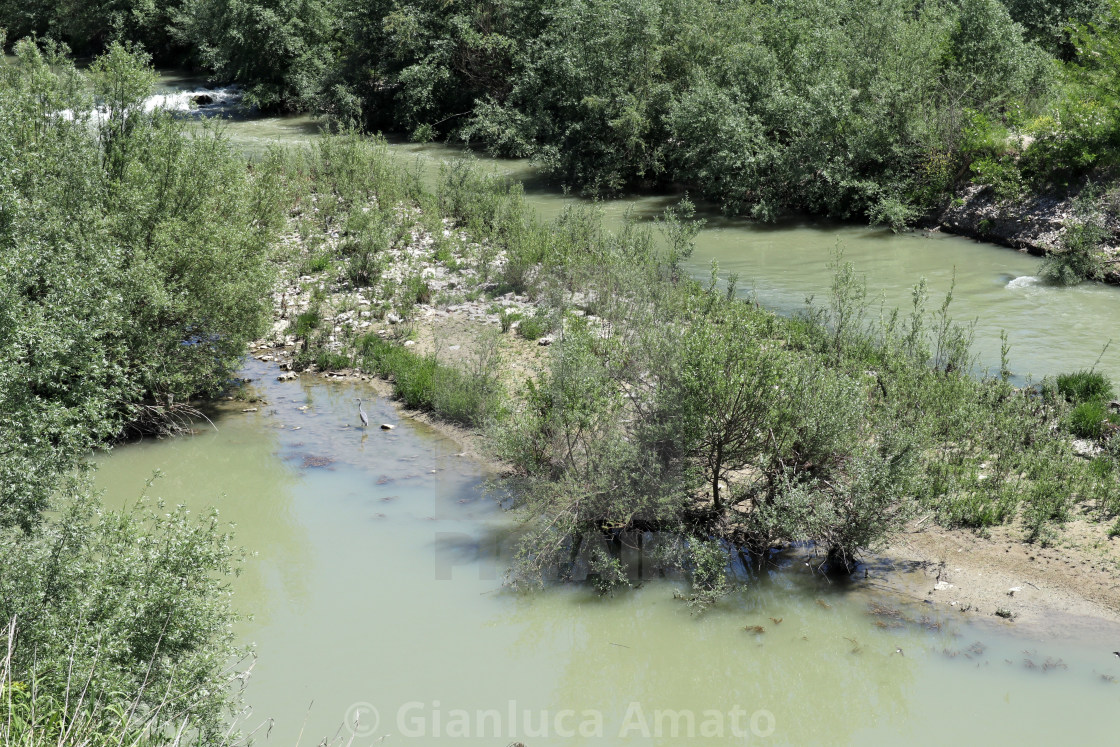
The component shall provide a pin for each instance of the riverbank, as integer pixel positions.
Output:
(1034, 225)
(462, 316)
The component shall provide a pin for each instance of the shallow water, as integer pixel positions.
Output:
(1050, 329)
(377, 582)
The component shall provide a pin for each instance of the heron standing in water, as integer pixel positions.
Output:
(362, 414)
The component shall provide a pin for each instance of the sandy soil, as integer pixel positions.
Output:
(1073, 582)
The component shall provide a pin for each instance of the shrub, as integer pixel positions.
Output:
(1079, 256)
(134, 265)
(534, 327)
(307, 322)
(506, 318)
(127, 609)
(1087, 419)
(417, 288)
(317, 262)
(1002, 175)
(1084, 386)
(369, 233)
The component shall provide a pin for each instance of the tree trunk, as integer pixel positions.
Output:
(717, 464)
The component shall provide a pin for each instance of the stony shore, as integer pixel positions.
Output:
(1033, 225)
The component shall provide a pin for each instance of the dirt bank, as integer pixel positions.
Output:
(1072, 583)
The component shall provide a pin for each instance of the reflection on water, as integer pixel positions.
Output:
(378, 580)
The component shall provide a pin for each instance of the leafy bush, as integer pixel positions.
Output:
(1002, 175)
(506, 318)
(126, 614)
(534, 327)
(307, 322)
(610, 94)
(134, 266)
(418, 290)
(1079, 256)
(317, 262)
(278, 49)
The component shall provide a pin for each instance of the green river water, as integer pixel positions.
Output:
(375, 588)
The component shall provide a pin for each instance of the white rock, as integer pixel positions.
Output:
(1085, 448)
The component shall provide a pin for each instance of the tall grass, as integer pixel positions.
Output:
(65, 707)
(470, 394)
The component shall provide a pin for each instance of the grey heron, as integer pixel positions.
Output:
(362, 414)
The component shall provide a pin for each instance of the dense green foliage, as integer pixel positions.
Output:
(1089, 394)
(89, 26)
(279, 48)
(840, 108)
(846, 108)
(1079, 255)
(134, 267)
(123, 616)
(1083, 386)
(1050, 23)
(470, 396)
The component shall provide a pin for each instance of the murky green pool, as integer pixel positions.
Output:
(377, 584)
